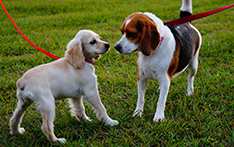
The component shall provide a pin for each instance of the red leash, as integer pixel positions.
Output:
(196, 16)
(173, 22)
(43, 51)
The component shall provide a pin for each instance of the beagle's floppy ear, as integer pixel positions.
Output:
(74, 54)
(150, 38)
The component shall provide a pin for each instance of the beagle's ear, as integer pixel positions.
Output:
(74, 54)
(150, 38)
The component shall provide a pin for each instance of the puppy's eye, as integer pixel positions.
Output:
(130, 34)
(93, 42)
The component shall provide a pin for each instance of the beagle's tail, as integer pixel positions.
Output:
(186, 8)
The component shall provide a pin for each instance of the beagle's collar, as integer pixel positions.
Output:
(162, 38)
(89, 61)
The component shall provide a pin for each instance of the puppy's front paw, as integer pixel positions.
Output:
(83, 117)
(111, 122)
(158, 117)
(62, 140)
(21, 131)
(86, 119)
(137, 112)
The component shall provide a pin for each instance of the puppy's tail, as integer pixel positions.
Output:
(186, 8)
(21, 93)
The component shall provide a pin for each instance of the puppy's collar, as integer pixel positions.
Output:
(89, 61)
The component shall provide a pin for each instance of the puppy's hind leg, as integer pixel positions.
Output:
(16, 119)
(192, 71)
(78, 109)
(46, 106)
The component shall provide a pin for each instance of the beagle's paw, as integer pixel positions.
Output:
(189, 92)
(137, 112)
(158, 117)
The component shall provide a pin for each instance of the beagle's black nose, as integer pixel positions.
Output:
(107, 46)
(118, 47)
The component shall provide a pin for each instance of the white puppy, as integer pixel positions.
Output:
(70, 77)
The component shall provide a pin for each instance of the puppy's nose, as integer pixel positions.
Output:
(118, 47)
(107, 46)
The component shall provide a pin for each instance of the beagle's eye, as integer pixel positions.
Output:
(130, 34)
(93, 42)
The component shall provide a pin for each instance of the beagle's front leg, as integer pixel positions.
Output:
(141, 85)
(164, 88)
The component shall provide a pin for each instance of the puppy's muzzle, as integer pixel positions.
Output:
(107, 46)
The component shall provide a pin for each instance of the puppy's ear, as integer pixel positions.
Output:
(150, 38)
(74, 54)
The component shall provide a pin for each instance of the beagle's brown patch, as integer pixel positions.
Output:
(174, 62)
(141, 30)
(187, 43)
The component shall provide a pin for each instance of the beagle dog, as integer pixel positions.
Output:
(70, 77)
(164, 52)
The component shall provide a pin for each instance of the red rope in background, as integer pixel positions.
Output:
(43, 51)
(196, 16)
(173, 22)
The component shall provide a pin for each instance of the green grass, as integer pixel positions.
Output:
(204, 119)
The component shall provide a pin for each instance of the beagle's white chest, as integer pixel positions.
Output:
(147, 68)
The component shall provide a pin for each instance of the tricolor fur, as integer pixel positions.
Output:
(164, 52)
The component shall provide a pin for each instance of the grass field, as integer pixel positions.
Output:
(204, 119)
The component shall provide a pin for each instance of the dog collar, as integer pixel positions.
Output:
(89, 61)
(162, 37)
